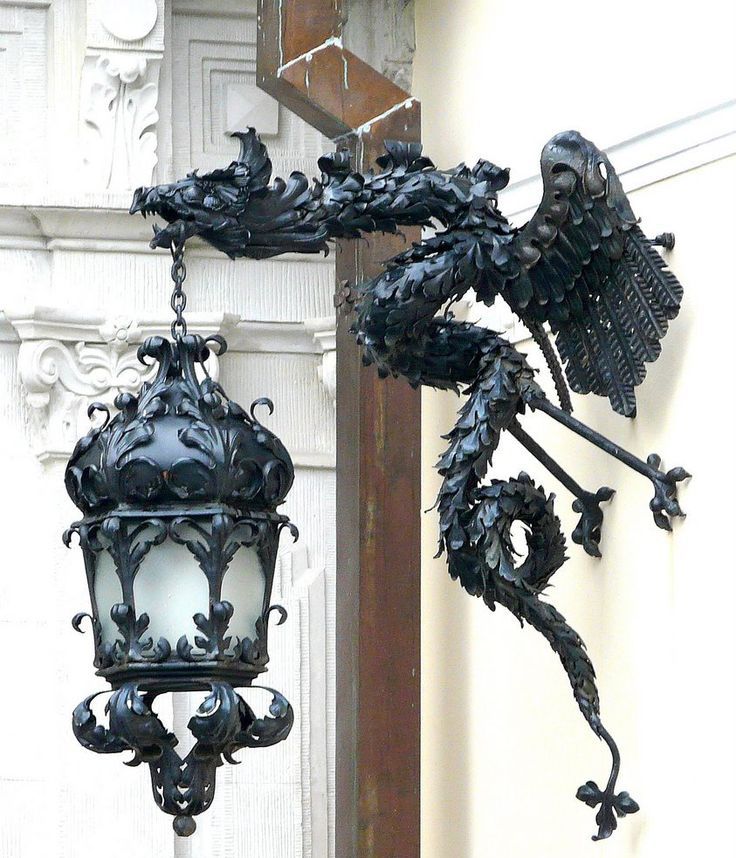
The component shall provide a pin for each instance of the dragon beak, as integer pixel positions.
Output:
(139, 198)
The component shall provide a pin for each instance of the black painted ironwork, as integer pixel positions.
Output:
(182, 463)
(223, 724)
(581, 266)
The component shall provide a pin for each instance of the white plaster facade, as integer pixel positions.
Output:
(96, 98)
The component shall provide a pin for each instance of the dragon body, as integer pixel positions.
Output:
(580, 267)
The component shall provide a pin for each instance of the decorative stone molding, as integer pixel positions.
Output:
(214, 64)
(323, 332)
(129, 22)
(24, 72)
(63, 375)
(69, 359)
(301, 586)
(131, 25)
(61, 382)
(119, 99)
(249, 106)
(657, 154)
(45, 322)
(120, 91)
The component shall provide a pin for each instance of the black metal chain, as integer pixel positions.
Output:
(178, 297)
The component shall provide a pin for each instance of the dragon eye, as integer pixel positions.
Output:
(193, 194)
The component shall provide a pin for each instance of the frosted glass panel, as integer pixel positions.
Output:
(108, 592)
(170, 587)
(244, 587)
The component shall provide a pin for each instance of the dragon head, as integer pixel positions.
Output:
(211, 204)
(571, 154)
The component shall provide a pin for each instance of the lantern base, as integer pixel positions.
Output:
(223, 724)
(159, 677)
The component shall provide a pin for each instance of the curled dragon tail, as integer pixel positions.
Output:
(475, 523)
(399, 330)
(565, 641)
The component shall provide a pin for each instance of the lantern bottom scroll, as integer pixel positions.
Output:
(223, 724)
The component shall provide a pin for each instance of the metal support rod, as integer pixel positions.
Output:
(596, 438)
(541, 338)
(665, 240)
(547, 461)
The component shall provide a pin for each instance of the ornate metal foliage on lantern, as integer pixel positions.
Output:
(581, 268)
(179, 492)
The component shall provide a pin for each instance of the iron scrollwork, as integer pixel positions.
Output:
(184, 464)
(580, 268)
(222, 725)
(222, 452)
(214, 551)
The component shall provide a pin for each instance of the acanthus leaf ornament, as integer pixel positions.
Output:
(120, 115)
(581, 266)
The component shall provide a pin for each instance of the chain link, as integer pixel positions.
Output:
(178, 297)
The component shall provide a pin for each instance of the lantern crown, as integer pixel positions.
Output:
(181, 440)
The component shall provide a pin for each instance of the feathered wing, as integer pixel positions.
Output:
(583, 265)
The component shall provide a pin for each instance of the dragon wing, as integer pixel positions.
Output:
(583, 265)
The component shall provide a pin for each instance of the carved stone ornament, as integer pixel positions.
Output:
(61, 381)
(130, 21)
(119, 115)
(62, 377)
(135, 25)
(323, 331)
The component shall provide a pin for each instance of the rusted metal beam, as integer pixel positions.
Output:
(303, 64)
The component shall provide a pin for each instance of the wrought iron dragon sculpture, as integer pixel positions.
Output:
(581, 265)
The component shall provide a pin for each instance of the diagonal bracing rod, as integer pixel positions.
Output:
(549, 463)
(600, 441)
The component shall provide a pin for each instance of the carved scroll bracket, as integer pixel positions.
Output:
(324, 333)
(63, 374)
(68, 359)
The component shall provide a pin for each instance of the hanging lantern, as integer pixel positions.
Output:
(179, 493)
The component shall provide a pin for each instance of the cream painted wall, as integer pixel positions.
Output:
(504, 747)
(499, 77)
